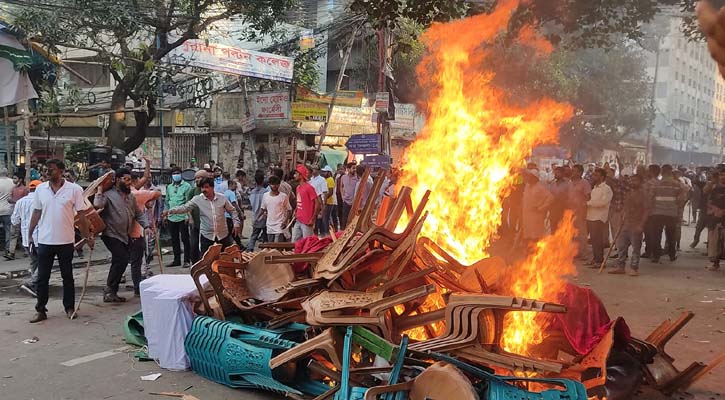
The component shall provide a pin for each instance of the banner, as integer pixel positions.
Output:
(360, 116)
(344, 97)
(273, 105)
(305, 111)
(232, 60)
(404, 117)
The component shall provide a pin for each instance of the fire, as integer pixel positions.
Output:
(541, 276)
(474, 137)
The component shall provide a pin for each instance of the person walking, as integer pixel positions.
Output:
(145, 200)
(259, 226)
(559, 188)
(308, 206)
(22, 214)
(348, 183)
(195, 226)
(277, 211)
(597, 215)
(634, 209)
(213, 224)
(120, 213)
(177, 195)
(666, 198)
(579, 193)
(54, 207)
(536, 201)
(699, 203)
(320, 184)
(6, 209)
(329, 214)
(716, 223)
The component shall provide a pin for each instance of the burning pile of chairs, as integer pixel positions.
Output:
(337, 329)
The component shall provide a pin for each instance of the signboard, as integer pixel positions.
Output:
(233, 60)
(360, 116)
(248, 124)
(377, 161)
(382, 101)
(305, 111)
(307, 40)
(273, 105)
(344, 97)
(404, 117)
(364, 144)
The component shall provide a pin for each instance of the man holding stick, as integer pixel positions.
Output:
(55, 205)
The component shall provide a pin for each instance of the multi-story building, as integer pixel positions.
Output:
(689, 97)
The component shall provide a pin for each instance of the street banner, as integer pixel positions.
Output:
(233, 60)
(358, 116)
(273, 105)
(364, 144)
(306, 111)
(307, 39)
(344, 97)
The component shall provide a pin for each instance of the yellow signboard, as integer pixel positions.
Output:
(350, 98)
(305, 111)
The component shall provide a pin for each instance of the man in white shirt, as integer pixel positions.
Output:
(54, 208)
(6, 208)
(22, 213)
(277, 209)
(598, 215)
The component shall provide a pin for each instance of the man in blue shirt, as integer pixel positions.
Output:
(259, 226)
(177, 195)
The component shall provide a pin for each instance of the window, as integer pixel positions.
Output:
(98, 74)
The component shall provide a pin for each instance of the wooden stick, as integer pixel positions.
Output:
(158, 247)
(611, 245)
(85, 284)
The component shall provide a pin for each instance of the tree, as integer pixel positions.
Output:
(133, 37)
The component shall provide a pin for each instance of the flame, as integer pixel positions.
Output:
(474, 140)
(474, 137)
(541, 276)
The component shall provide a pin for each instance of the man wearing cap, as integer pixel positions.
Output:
(329, 215)
(308, 206)
(535, 202)
(177, 195)
(22, 214)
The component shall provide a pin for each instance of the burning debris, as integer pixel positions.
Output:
(397, 278)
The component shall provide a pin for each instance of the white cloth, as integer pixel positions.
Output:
(598, 205)
(277, 209)
(21, 215)
(167, 306)
(16, 86)
(56, 224)
(320, 184)
(6, 190)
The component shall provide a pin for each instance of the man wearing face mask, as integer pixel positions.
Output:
(176, 195)
(120, 213)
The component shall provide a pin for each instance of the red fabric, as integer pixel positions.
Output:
(586, 320)
(310, 244)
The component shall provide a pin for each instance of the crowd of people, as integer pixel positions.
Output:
(196, 214)
(621, 210)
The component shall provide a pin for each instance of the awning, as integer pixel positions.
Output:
(16, 85)
(332, 157)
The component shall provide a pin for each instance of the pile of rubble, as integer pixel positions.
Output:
(333, 323)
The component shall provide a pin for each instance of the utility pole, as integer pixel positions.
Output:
(385, 51)
(340, 75)
(648, 155)
(161, 113)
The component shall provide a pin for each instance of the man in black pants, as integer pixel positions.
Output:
(120, 213)
(176, 195)
(211, 206)
(54, 208)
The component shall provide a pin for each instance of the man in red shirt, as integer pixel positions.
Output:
(308, 206)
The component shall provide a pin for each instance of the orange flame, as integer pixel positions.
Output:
(474, 137)
(541, 277)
